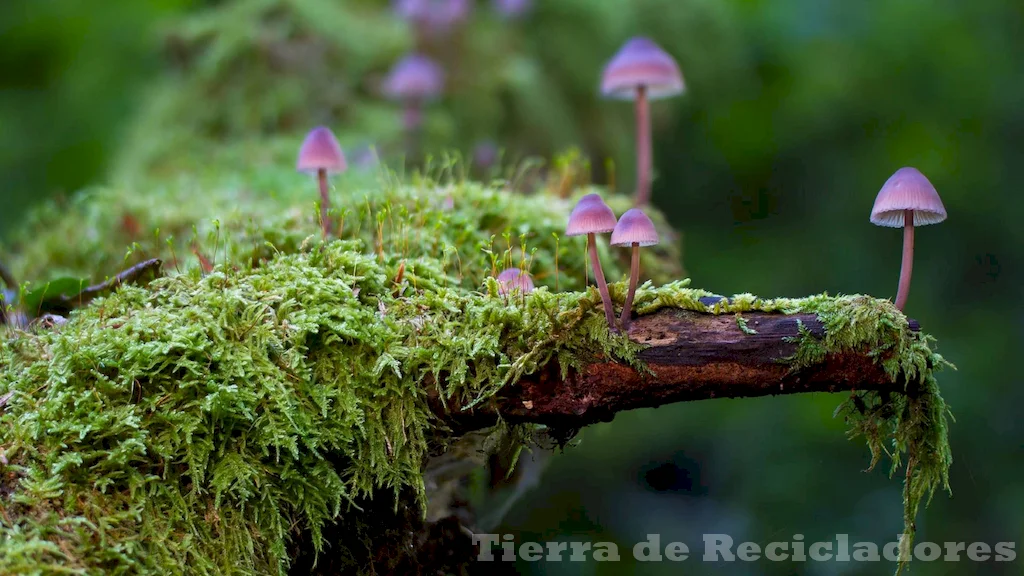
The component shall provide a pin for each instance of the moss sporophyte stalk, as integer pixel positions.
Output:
(205, 421)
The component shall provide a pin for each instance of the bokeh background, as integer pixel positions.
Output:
(796, 112)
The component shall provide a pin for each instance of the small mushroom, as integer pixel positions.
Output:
(907, 199)
(486, 154)
(414, 81)
(512, 8)
(321, 154)
(592, 216)
(432, 18)
(642, 71)
(513, 279)
(634, 229)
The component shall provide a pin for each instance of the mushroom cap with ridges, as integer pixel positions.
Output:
(414, 77)
(590, 216)
(907, 189)
(321, 151)
(634, 227)
(512, 279)
(641, 62)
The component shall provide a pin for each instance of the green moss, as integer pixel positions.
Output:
(208, 419)
(741, 323)
(266, 397)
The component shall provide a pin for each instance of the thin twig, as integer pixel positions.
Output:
(129, 276)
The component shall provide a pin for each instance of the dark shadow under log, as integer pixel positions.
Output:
(688, 356)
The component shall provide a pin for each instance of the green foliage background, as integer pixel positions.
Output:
(797, 111)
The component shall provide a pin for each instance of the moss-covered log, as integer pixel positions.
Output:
(687, 355)
(257, 418)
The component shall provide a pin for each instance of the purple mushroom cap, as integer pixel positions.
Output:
(590, 216)
(513, 8)
(512, 279)
(414, 77)
(907, 189)
(435, 15)
(321, 151)
(641, 62)
(634, 227)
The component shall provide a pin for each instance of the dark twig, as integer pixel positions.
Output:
(64, 303)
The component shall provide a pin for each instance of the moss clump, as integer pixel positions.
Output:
(194, 422)
(211, 420)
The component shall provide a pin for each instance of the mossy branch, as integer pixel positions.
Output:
(306, 384)
(687, 355)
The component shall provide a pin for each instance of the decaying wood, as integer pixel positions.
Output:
(689, 356)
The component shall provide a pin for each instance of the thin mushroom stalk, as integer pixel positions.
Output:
(602, 286)
(412, 121)
(643, 147)
(325, 202)
(907, 264)
(634, 275)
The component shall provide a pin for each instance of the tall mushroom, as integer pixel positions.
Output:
(592, 216)
(414, 81)
(634, 229)
(642, 71)
(907, 199)
(321, 154)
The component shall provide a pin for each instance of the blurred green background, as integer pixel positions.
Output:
(796, 112)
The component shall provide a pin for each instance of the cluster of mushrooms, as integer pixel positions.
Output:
(591, 217)
(640, 71)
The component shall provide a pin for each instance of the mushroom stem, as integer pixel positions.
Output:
(325, 202)
(906, 267)
(634, 275)
(412, 121)
(643, 147)
(602, 286)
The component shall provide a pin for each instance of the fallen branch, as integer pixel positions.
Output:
(690, 356)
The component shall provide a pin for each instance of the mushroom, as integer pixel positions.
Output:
(907, 199)
(413, 81)
(321, 154)
(634, 229)
(512, 8)
(592, 216)
(512, 279)
(432, 17)
(642, 71)
(486, 154)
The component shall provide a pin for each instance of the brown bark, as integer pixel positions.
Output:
(690, 356)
